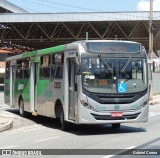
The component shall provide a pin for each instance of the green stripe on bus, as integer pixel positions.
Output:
(52, 50)
(55, 49)
(29, 54)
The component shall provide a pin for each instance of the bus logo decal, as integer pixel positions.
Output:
(116, 100)
(116, 107)
(20, 86)
(122, 87)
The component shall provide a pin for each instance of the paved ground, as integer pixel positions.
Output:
(5, 123)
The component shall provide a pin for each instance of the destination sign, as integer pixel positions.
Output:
(112, 47)
(99, 82)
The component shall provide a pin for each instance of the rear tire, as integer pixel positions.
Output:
(116, 125)
(21, 108)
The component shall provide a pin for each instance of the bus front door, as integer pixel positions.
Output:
(33, 88)
(72, 87)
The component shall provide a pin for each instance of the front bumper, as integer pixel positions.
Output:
(91, 117)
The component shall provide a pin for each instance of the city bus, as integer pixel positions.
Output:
(84, 82)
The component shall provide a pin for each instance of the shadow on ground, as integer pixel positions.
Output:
(79, 129)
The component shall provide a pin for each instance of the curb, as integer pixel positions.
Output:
(6, 126)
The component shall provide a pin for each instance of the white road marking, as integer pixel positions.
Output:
(25, 129)
(153, 114)
(8, 147)
(42, 140)
(108, 156)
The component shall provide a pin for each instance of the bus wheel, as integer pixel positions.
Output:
(116, 125)
(21, 108)
(64, 124)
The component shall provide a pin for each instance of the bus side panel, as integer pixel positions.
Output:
(7, 84)
(45, 102)
(48, 92)
(50, 88)
(17, 91)
(26, 95)
(22, 89)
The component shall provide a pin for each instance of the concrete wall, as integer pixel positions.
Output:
(156, 82)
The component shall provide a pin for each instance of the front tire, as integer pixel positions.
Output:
(21, 108)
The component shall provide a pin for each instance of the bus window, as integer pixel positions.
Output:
(137, 69)
(45, 61)
(7, 70)
(26, 74)
(23, 69)
(53, 60)
(53, 72)
(45, 73)
(62, 60)
(45, 67)
(59, 72)
(19, 74)
(26, 67)
(19, 64)
(25, 64)
(59, 59)
(19, 71)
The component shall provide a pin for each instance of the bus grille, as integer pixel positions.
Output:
(118, 100)
(107, 117)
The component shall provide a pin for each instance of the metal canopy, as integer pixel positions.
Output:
(7, 7)
(50, 29)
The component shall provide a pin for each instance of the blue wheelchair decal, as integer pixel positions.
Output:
(122, 87)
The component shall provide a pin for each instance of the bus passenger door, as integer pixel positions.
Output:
(12, 84)
(70, 86)
(72, 89)
(33, 88)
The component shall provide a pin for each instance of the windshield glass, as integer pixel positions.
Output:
(114, 75)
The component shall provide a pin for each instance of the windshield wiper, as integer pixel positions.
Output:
(105, 62)
(126, 64)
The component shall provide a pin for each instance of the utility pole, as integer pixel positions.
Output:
(86, 35)
(151, 46)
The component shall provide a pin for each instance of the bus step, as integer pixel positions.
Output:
(34, 113)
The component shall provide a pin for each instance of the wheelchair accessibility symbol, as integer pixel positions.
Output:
(121, 87)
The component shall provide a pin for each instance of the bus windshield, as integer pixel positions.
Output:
(114, 75)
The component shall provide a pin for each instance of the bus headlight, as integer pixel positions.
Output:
(86, 105)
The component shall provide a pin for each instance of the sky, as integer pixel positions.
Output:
(54, 6)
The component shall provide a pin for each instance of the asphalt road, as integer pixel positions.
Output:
(44, 133)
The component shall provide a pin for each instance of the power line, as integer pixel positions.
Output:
(45, 5)
(63, 5)
(73, 6)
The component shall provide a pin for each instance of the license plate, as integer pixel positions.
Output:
(116, 114)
